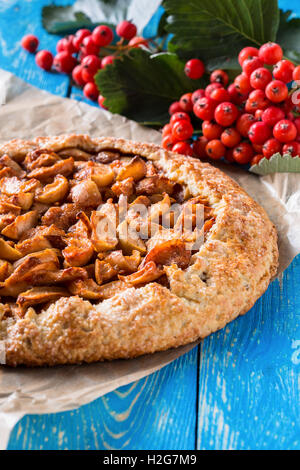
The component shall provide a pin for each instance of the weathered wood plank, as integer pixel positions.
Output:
(249, 375)
(25, 18)
(158, 412)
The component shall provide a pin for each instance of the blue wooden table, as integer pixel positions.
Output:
(238, 390)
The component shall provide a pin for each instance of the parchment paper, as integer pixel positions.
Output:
(27, 112)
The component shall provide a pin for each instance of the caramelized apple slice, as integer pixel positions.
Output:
(135, 168)
(104, 271)
(155, 185)
(62, 167)
(40, 295)
(168, 253)
(129, 239)
(87, 288)
(55, 191)
(86, 194)
(21, 225)
(100, 173)
(124, 264)
(5, 269)
(78, 251)
(31, 245)
(125, 187)
(16, 170)
(104, 223)
(149, 273)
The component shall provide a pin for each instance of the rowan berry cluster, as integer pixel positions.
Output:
(242, 122)
(84, 53)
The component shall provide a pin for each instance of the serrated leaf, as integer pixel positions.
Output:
(289, 35)
(141, 86)
(277, 164)
(64, 20)
(212, 28)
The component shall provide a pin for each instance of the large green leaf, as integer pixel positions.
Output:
(141, 86)
(277, 164)
(64, 20)
(214, 28)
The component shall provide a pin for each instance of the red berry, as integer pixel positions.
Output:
(243, 153)
(102, 35)
(30, 43)
(186, 102)
(197, 95)
(220, 95)
(296, 73)
(260, 78)
(205, 108)
(219, 76)
(244, 123)
(44, 59)
(270, 53)
(271, 147)
(167, 129)
(255, 160)
(277, 91)
(79, 37)
(91, 63)
(179, 116)
(249, 65)
(175, 108)
(101, 101)
(272, 115)
(183, 148)
(168, 142)
(194, 69)
(215, 149)
(126, 30)
(231, 137)
(182, 130)
(247, 53)
(283, 71)
(235, 96)
(66, 45)
(77, 75)
(211, 130)
(108, 60)
(64, 62)
(257, 100)
(138, 41)
(226, 113)
(91, 91)
(258, 148)
(293, 148)
(259, 132)
(258, 114)
(297, 124)
(199, 146)
(229, 155)
(88, 47)
(285, 131)
(242, 84)
(87, 76)
(210, 88)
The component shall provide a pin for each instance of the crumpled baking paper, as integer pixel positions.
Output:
(27, 112)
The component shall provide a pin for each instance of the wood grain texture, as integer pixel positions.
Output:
(249, 384)
(248, 374)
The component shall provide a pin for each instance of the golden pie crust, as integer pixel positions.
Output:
(195, 297)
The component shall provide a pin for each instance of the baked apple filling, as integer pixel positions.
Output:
(75, 223)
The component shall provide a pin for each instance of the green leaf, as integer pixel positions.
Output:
(141, 86)
(64, 20)
(289, 35)
(214, 28)
(277, 164)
